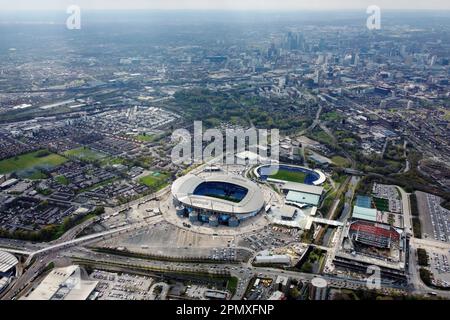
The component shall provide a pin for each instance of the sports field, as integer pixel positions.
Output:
(37, 159)
(288, 175)
(155, 180)
(381, 204)
(85, 154)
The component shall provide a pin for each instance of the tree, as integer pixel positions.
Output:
(425, 275)
(307, 267)
(294, 293)
(99, 211)
(422, 257)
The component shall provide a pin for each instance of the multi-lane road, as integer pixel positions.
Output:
(406, 205)
(39, 259)
(243, 271)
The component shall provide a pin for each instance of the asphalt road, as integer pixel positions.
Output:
(407, 217)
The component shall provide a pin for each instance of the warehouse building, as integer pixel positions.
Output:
(67, 283)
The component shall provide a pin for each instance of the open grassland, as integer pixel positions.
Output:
(155, 180)
(340, 161)
(37, 159)
(85, 154)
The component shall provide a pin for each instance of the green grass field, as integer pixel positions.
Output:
(331, 116)
(232, 284)
(322, 137)
(156, 180)
(446, 114)
(381, 204)
(340, 161)
(62, 180)
(109, 161)
(38, 159)
(286, 175)
(145, 137)
(85, 154)
(36, 175)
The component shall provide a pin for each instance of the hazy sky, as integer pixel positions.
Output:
(224, 4)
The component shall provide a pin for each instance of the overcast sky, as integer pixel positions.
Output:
(224, 4)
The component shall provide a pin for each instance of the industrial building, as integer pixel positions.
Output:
(8, 263)
(69, 283)
(287, 213)
(281, 283)
(216, 295)
(364, 213)
(272, 259)
(276, 295)
(318, 289)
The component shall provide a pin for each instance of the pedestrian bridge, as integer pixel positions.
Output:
(16, 251)
(329, 222)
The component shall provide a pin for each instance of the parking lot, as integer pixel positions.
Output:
(196, 292)
(385, 191)
(114, 286)
(387, 198)
(269, 237)
(165, 239)
(223, 254)
(435, 219)
(440, 267)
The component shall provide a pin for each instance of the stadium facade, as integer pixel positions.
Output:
(217, 199)
(374, 234)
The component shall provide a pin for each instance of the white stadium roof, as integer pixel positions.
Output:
(301, 187)
(7, 261)
(183, 188)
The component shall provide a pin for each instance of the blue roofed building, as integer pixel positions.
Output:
(303, 197)
(364, 201)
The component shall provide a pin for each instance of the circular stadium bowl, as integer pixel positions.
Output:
(230, 199)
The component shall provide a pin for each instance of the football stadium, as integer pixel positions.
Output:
(366, 243)
(217, 199)
(291, 173)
